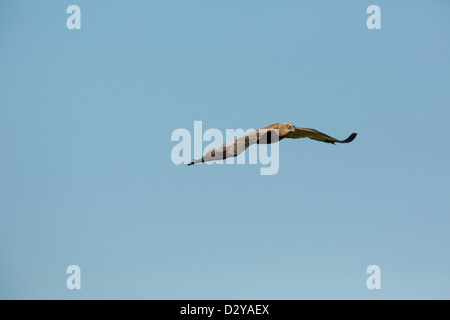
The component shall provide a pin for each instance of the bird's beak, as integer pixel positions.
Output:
(293, 129)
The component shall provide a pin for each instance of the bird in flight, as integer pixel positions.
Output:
(271, 134)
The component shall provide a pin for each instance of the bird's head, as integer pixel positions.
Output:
(286, 128)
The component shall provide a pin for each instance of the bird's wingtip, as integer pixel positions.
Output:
(350, 138)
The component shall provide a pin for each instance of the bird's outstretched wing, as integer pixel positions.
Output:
(236, 147)
(317, 135)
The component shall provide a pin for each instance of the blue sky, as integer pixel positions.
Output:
(86, 118)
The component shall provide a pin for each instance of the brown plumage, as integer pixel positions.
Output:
(271, 134)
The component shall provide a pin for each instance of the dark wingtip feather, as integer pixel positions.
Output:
(350, 138)
(191, 163)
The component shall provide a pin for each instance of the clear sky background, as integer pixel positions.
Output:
(86, 176)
